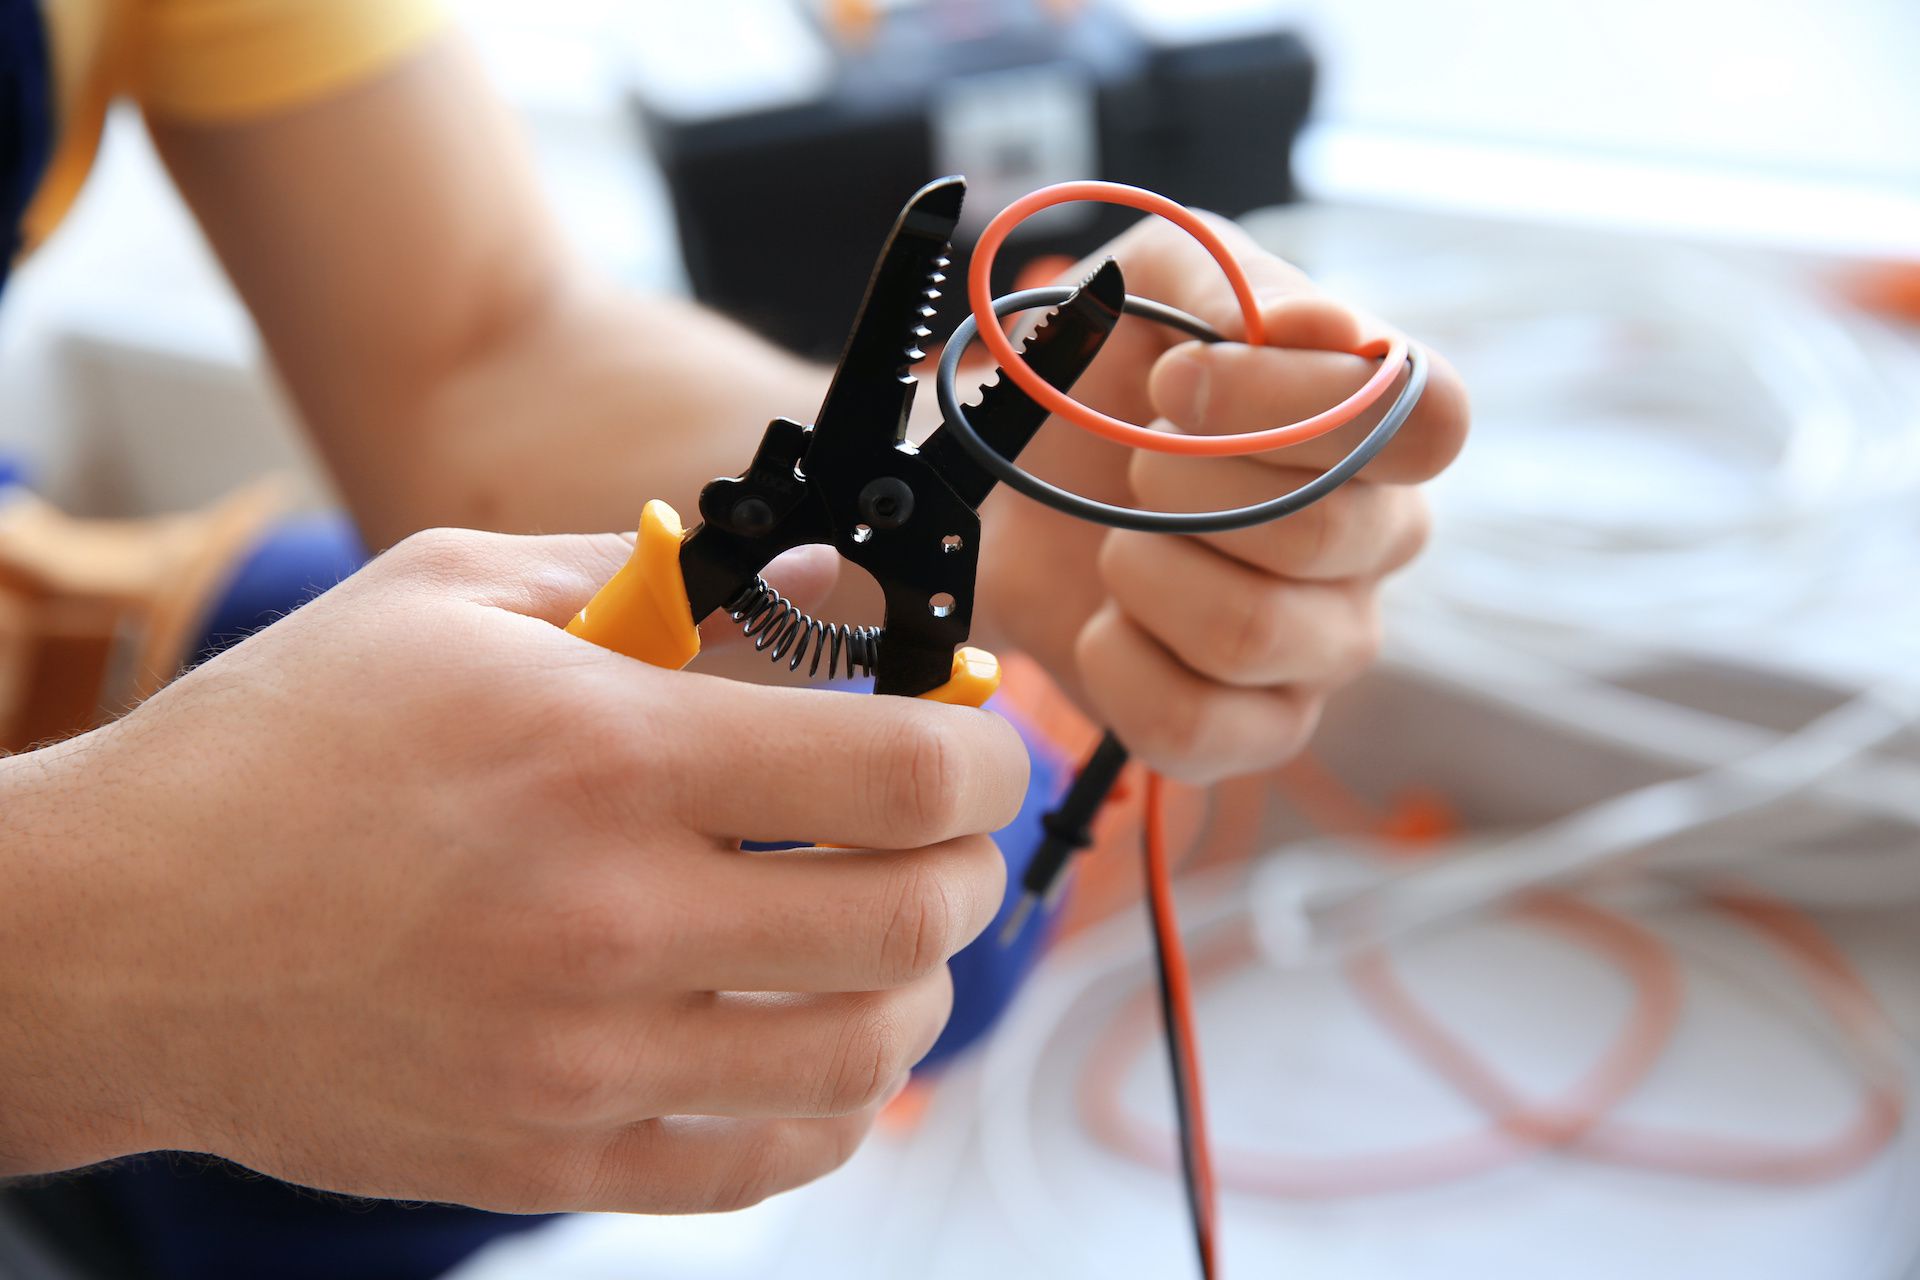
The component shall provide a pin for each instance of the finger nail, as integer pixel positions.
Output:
(1183, 386)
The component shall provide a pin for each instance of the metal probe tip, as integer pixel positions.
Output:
(1017, 919)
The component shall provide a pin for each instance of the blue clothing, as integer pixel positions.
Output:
(171, 1217)
(26, 119)
(178, 1217)
(296, 561)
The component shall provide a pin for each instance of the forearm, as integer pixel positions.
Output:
(576, 417)
(64, 1055)
(453, 360)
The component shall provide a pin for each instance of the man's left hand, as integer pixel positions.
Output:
(1212, 656)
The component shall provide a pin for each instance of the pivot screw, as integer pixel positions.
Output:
(751, 517)
(886, 503)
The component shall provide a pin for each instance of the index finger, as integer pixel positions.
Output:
(841, 768)
(838, 919)
(1229, 388)
(1301, 372)
(753, 761)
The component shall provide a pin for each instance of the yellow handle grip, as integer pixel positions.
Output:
(976, 675)
(643, 611)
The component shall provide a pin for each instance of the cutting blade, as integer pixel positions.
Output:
(872, 388)
(1059, 349)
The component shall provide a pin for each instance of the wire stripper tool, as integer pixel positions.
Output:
(910, 517)
(907, 515)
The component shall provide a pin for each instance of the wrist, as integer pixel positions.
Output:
(71, 1091)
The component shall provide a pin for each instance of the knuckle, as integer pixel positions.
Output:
(1119, 559)
(439, 553)
(922, 781)
(1364, 639)
(1144, 471)
(597, 741)
(560, 1180)
(593, 943)
(920, 922)
(1325, 529)
(1285, 730)
(846, 1141)
(1298, 728)
(1002, 789)
(743, 1189)
(984, 867)
(592, 761)
(1288, 729)
(564, 1077)
(1182, 731)
(756, 1173)
(1255, 633)
(1416, 528)
(865, 1061)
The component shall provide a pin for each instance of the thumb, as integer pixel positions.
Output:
(553, 577)
(550, 576)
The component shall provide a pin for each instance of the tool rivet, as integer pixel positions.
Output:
(751, 517)
(886, 503)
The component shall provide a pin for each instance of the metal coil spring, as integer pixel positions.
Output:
(778, 627)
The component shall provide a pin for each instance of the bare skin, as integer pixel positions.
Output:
(458, 367)
(414, 895)
(417, 895)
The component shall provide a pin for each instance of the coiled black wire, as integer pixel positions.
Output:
(780, 629)
(946, 386)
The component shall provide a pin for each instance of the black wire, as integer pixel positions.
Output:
(946, 387)
(1182, 1071)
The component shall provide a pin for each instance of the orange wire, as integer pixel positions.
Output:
(1519, 1129)
(1627, 1062)
(1582, 1124)
(980, 298)
(1159, 866)
(1180, 1002)
(1853, 1008)
(1579, 1125)
(1834, 984)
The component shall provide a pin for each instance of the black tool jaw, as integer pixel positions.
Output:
(1059, 348)
(747, 520)
(907, 516)
(884, 508)
(872, 390)
(928, 566)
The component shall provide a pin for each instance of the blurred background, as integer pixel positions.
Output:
(1630, 817)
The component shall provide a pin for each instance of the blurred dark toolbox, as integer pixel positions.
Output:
(745, 100)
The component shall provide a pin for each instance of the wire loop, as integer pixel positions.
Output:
(1011, 474)
(980, 300)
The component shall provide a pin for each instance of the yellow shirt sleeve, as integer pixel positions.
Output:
(228, 59)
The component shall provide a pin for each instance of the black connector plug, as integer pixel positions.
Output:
(1069, 829)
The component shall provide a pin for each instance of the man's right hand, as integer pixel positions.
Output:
(414, 895)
